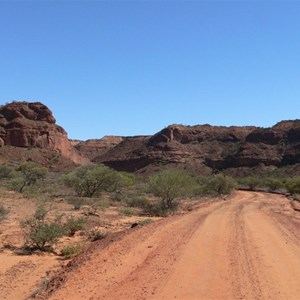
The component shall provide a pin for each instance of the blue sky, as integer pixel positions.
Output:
(134, 67)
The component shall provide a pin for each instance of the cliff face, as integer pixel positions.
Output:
(97, 147)
(208, 148)
(204, 149)
(32, 125)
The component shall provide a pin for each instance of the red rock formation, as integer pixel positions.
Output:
(203, 149)
(208, 148)
(32, 125)
(96, 147)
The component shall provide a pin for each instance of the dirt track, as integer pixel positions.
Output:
(247, 247)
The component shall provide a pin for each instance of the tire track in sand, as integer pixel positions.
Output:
(235, 249)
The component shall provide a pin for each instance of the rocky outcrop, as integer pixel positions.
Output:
(97, 147)
(203, 148)
(32, 125)
(207, 149)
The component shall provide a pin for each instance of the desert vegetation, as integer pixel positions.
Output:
(29, 174)
(41, 234)
(293, 185)
(74, 201)
(59, 213)
(269, 183)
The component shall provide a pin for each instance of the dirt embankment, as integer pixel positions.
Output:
(245, 248)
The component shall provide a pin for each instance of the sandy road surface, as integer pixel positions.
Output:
(247, 247)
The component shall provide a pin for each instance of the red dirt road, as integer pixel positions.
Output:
(247, 247)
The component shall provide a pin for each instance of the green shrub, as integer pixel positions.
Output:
(102, 204)
(118, 197)
(169, 185)
(40, 213)
(71, 251)
(137, 201)
(77, 202)
(120, 181)
(145, 222)
(95, 235)
(131, 199)
(127, 211)
(221, 184)
(251, 182)
(74, 224)
(30, 174)
(42, 235)
(89, 180)
(157, 210)
(6, 172)
(274, 184)
(293, 185)
(200, 189)
(39, 233)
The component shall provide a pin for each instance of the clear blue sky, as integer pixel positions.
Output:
(132, 68)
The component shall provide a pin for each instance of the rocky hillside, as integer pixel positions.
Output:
(28, 132)
(32, 126)
(206, 149)
(97, 147)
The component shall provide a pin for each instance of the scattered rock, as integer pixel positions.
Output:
(134, 225)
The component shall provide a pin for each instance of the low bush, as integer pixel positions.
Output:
(274, 184)
(251, 182)
(40, 213)
(118, 197)
(293, 185)
(77, 202)
(73, 225)
(30, 174)
(102, 204)
(90, 180)
(127, 211)
(158, 210)
(41, 235)
(170, 185)
(71, 251)
(6, 172)
(221, 184)
(137, 201)
(145, 222)
(95, 235)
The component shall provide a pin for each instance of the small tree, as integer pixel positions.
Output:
(77, 202)
(221, 184)
(120, 181)
(6, 172)
(251, 182)
(169, 185)
(293, 185)
(31, 173)
(41, 234)
(274, 184)
(74, 224)
(90, 179)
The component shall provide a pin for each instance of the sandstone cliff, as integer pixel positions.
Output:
(208, 149)
(32, 125)
(203, 148)
(96, 147)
